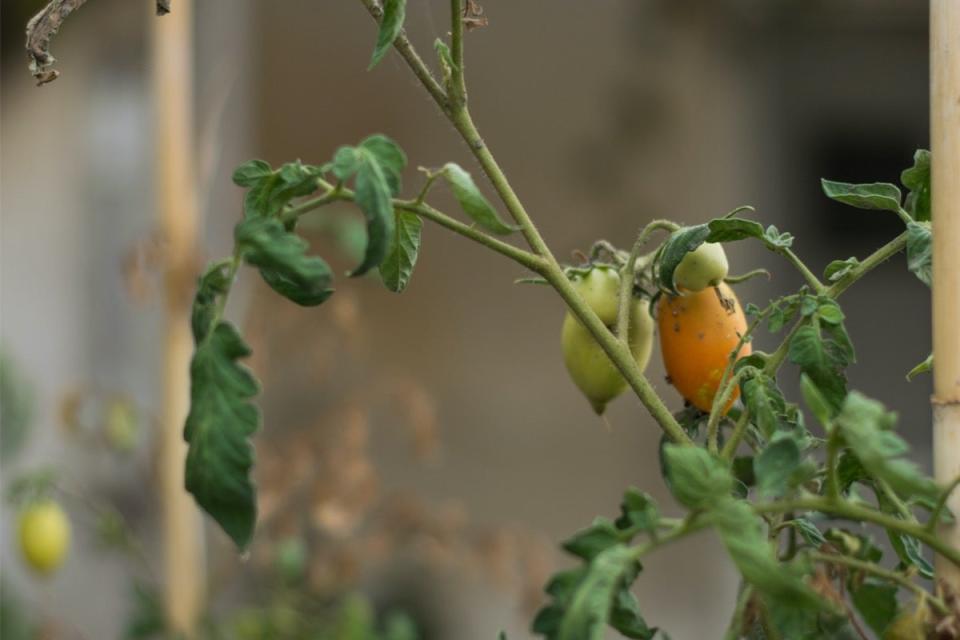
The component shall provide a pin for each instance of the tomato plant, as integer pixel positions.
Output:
(778, 480)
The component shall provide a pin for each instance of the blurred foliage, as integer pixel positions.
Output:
(16, 408)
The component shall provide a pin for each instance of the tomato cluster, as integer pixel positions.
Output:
(699, 329)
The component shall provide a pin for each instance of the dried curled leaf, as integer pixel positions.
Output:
(40, 31)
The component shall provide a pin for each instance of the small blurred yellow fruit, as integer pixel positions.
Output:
(44, 536)
(122, 428)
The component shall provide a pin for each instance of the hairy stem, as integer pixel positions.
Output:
(629, 271)
(458, 83)
(799, 265)
(883, 574)
(869, 263)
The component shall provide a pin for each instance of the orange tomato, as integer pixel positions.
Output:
(698, 331)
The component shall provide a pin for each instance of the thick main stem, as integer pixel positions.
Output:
(945, 183)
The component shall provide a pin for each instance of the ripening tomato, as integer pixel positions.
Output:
(590, 367)
(698, 332)
(705, 266)
(600, 289)
(44, 536)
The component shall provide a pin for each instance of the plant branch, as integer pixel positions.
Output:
(735, 628)
(799, 265)
(941, 505)
(869, 263)
(849, 511)
(457, 82)
(628, 272)
(40, 31)
(880, 572)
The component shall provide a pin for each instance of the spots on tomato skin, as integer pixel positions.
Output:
(676, 327)
(701, 335)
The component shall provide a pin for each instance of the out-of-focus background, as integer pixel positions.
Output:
(431, 443)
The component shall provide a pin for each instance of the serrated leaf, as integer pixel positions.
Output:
(823, 359)
(397, 267)
(867, 429)
(917, 180)
(733, 229)
(815, 400)
(679, 244)
(838, 269)
(212, 286)
(587, 614)
(696, 478)
(875, 195)
(638, 511)
(776, 465)
(391, 24)
(598, 537)
(923, 367)
(282, 260)
(877, 604)
(765, 401)
(920, 251)
(777, 240)
(472, 201)
(218, 428)
(626, 617)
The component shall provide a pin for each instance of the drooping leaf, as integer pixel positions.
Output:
(732, 229)
(874, 195)
(590, 606)
(917, 180)
(696, 478)
(472, 201)
(765, 401)
(389, 156)
(822, 409)
(877, 604)
(823, 359)
(268, 190)
(679, 244)
(920, 251)
(397, 267)
(218, 428)
(212, 286)
(391, 24)
(281, 257)
(867, 429)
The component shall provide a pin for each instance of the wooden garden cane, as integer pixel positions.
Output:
(945, 152)
(177, 208)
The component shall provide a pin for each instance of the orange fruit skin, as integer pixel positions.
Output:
(697, 334)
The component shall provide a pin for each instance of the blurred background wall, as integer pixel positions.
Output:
(605, 114)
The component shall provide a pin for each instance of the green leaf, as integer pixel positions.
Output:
(220, 422)
(271, 190)
(815, 401)
(148, 619)
(397, 267)
(598, 537)
(776, 465)
(679, 244)
(17, 402)
(282, 260)
(829, 311)
(867, 429)
(696, 478)
(920, 251)
(592, 601)
(838, 269)
(389, 156)
(917, 180)
(626, 617)
(251, 172)
(213, 285)
(910, 552)
(446, 60)
(394, 13)
(774, 239)
(877, 604)
(875, 195)
(733, 229)
(638, 512)
(823, 359)
(765, 401)
(923, 367)
(810, 532)
(472, 201)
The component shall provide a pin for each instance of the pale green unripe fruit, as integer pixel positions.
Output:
(705, 266)
(591, 368)
(44, 536)
(600, 289)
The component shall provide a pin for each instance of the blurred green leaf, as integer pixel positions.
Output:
(877, 604)
(776, 465)
(147, 620)
(917, 180)
(391, 24)
(220, 421)
(472, 201)
(823, 359)
(920, 251)
(16, 408)
(867, 429)
(923, 367)
(598, 537)
(282, 260)
(696, 478)
(875, 195)
(638, 512)
(592, 601)
(810, 532)
(397, 267)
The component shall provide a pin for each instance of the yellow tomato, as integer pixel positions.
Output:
(44, 536)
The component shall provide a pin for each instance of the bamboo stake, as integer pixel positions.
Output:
(945, 151)
(177, 207)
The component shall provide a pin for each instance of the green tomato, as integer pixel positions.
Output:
(44, 536)
(705, 266)
(600, 288)
(591, 368)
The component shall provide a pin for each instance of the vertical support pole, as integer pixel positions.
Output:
(177, 208)
(945, 150)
